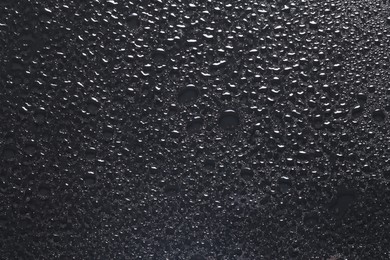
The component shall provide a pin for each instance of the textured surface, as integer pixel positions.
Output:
(194, 129)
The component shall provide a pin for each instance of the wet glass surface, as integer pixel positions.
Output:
(194, 129)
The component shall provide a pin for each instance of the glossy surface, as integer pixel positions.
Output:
(194, 129)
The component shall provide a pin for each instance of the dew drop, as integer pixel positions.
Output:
(229, 120)
(379, 116)
(188, 94)
(133, 21)
(93, 106)
(90, 179)
(195, 125)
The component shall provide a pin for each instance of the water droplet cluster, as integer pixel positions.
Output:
(194, 129)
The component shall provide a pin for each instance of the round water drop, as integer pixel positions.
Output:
(9, 154)
(159, 56)
(90, 154)
(133, 21)
(188, 94)
(44, 191)
(379, 116)
(90, 179)
(108, 132)
(195, 125)
(357, 111)
(171, 189)
(229, 119)
(285, 184)
(247, 173)
(30, 149)
(310, 219)
(93, 106)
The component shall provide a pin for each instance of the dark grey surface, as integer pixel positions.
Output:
(202, 130)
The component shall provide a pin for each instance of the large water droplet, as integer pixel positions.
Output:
(188, 94)
(229, 120)
(379, 115)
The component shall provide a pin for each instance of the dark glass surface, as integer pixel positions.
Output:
(194, 130)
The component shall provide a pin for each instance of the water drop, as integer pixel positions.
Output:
(229, 120)
(133, 21)
(379, 115)
(188, 94)
(195, 125)
(93, 106)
